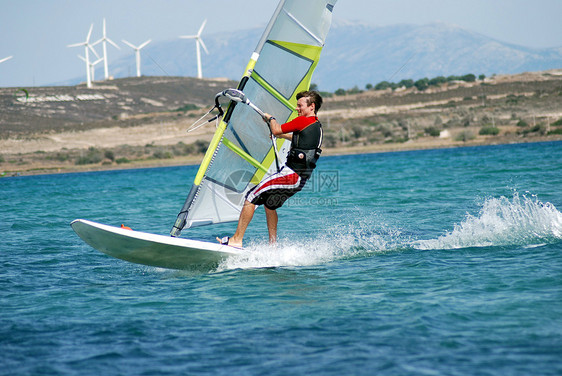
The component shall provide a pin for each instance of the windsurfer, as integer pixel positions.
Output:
(305, 133)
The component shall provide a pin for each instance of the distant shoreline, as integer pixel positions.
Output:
(141, 123)
(31, 170)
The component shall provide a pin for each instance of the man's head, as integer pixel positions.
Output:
(310, 99)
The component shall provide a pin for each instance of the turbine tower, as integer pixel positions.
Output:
(87, 47)
(92, 65)
(199, 42)
(5, 59)
(137, 53)
(104, 40)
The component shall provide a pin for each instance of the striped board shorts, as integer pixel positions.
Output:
(273, 191)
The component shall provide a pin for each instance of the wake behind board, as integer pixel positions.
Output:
(152, 249)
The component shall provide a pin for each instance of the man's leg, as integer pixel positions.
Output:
(272, 219)
(244, 220)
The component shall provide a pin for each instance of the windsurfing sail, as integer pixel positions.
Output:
(240, 154)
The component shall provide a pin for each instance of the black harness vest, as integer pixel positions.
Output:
(305, 149)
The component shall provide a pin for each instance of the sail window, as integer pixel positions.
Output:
(282, 68)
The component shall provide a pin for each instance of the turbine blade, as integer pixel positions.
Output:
(112, 43)
(145, 43)
(203, 45)
(93, 50)
(188, 36)
(82, 58)
(5, 59)
(104, 27)
(89, 33)
(77, 44)
(129, 44)
(201, 28)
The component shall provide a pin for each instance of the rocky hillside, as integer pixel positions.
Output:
(516, 108)
(143, 121)
(120, 102)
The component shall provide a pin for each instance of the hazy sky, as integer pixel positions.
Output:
(37, 32)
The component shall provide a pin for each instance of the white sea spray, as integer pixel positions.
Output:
(522, 220)
(354, 234)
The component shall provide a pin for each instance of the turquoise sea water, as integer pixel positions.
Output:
(440, 262)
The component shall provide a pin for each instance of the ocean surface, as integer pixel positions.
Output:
(437, 262)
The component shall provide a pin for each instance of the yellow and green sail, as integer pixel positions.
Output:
(240, 154)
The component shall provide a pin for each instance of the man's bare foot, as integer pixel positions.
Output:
(228, 241)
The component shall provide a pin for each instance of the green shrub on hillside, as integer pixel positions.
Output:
(162, 154)
(512, 99)
(383, 85)
(59, 156)
(422, 84)
(465, 136)
(93, 156)
(109, 154)
(122, 160)
(468, 78)
(539, 128)
(556, 131)
(437, 81)
(187, 107)
(183, 149)
(406, 83)
(201, 146)
(489, 131)
(433, 131)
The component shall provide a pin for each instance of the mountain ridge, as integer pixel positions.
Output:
(355, 54)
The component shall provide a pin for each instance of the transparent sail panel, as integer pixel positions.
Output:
(267, 102)
(305, 22)
(228, 166)
(247, 129)
(283, 77)
(214, 204)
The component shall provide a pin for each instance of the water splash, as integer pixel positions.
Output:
(523, 221)
(344, 240)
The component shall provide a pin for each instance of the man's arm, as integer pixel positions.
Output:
(276, 127)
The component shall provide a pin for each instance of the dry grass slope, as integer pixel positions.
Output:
(139, 122)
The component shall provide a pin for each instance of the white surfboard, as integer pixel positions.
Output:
(152, 249)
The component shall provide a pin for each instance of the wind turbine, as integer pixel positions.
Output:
(87, 47)
(137, 53)
(199, 42)
(5, 59)
(92, 65)
(103, 41)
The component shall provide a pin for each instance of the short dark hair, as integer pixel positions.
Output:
(312, 96)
